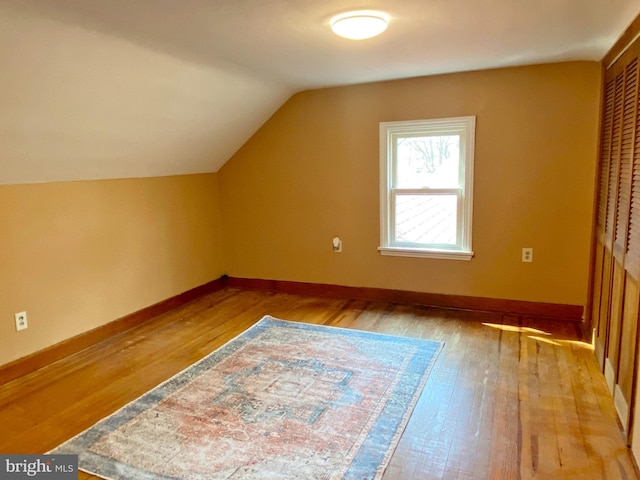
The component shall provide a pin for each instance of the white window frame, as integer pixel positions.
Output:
(389, 132)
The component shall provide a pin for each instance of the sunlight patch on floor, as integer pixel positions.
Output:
(538, 335)
(514, 328)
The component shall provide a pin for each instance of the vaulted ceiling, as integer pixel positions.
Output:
(120, 88)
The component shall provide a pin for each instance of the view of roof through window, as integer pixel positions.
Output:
(431, 162)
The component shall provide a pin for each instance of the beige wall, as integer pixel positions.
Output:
(77, 255)
(311, 172)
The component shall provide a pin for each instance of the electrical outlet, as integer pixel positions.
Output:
(527, 255)
(337, 244)
(21, 321)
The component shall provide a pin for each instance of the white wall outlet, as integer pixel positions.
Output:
(527, 255)
(337, 244)
(21, 321)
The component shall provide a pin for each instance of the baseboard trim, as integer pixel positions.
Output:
(30, 363)
(37, 360)
(599, 349)
(458, 302)
(622, 408)
(609, 375)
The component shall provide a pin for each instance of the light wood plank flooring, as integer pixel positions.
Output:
(508, 398)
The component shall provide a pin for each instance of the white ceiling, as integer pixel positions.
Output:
(290, 41)
(246, 56)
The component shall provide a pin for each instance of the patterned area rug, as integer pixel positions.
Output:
(283, 400)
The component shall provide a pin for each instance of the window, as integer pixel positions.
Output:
(426, 191)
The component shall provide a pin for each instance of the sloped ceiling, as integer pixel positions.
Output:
(109, 89)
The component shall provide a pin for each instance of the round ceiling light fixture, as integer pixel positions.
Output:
(360, 24)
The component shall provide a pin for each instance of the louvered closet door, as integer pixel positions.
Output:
(629, 383)
(619, 248)
(607, 196)
(611, 232)
(602, 267)
(629, 371)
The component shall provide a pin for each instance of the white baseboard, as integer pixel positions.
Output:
(599, 348)
(622, 407)
(609, 375)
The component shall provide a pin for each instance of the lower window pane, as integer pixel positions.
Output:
(427, 219)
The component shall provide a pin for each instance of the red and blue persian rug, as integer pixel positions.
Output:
(284, 400)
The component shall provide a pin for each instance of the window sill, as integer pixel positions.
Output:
(421, 253)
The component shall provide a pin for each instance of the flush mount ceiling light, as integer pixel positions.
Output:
(360, 24)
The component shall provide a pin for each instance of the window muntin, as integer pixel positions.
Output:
(426, 187)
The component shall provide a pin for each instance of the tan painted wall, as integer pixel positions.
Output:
(312, 172)
(77, 255)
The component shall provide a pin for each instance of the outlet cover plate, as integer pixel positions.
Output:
(21, 321)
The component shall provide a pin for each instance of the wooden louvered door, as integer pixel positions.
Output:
(624, 309)
(632, 298)
(615, 300)
(616, 278)
(602, 270)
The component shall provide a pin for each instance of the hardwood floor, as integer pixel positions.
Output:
(508, 398)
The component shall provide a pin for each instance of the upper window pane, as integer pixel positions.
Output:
(427, 161)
